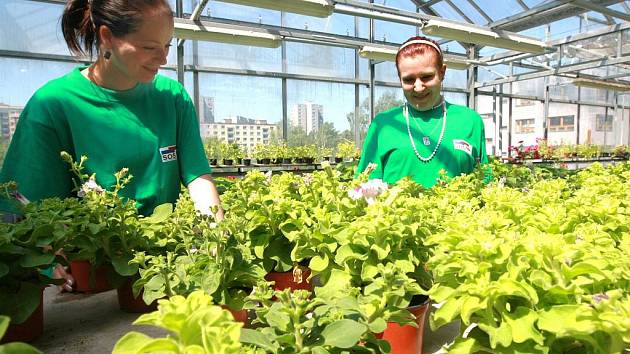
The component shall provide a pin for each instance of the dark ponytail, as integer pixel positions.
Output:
(77, 27)
(81, 20)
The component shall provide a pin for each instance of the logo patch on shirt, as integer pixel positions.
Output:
(168, 153)
(462, 145)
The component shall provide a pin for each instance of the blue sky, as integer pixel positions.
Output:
(34, 27)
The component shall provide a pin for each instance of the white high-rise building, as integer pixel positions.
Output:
(9, 116)
(308, 116)
(245, 132)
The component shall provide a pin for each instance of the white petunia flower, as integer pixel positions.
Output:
(89, 186)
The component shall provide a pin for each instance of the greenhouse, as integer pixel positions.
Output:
(315, 176)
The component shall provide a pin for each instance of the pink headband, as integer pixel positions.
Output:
(421, 41)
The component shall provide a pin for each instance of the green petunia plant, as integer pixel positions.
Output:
(194, 325)
(538, 269)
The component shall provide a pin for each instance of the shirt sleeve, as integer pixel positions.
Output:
(33, 159)
(370, 153)
(191, 155)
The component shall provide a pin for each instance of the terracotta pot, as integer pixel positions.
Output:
(28, 330)
(128, 303)
(239, 315)
(87, 281)
(295, 280)
(407, 339)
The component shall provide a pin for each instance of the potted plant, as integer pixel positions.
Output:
(200, 327)
(12, 346)
(27, 249)
(346, 150)
(536, 270)
(262, 154)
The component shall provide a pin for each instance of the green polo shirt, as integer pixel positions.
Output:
(388, 145)
(151, 129)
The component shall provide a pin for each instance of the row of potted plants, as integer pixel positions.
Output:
(232, 154)
(543, 150)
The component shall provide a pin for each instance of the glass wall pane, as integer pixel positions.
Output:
(595, 95)
(485, 108)
(320, 113)
(386, 71)
(620, 126)
(364, 108)
(392, 32)
(625, 42)
(456, 98)
(532, 87)
(20, 78)
(245, 110)
(30, 26)
(455, 78)
(386, 98)
(232, 56)
(320, 60)
(527, 121)
(595, 125)
(562, 123)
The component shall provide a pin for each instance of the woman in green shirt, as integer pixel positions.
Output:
(118, 112)
(426, 134)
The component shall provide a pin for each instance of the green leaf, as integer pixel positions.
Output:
(338, 282)
(522, 321)
(160, 213)
(130, 343)
(471, 305)
(378, 325)
(4, 324)
(4, 269)
(318, 263)
(563, 320)
(122, 267)
(343, 333)
(258, 339)
(21, 304)
(277, 318)
(34, 258)
(18, 348)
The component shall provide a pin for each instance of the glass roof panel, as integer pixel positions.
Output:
(499, 9)
(445, 10)
(470, 11)
(407, 5)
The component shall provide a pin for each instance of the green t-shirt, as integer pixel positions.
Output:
(387, 144)
(151, 129)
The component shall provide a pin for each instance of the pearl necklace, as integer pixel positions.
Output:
(413, 144)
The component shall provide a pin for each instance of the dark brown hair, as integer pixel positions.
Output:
(418, 49)
(81, 20)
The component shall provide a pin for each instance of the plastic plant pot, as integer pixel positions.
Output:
(131, 304)
(295, 280)
(239, 315)
(87, 281)
(28, 330)
(407, 339)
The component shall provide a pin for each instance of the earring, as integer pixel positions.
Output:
(107, 54)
